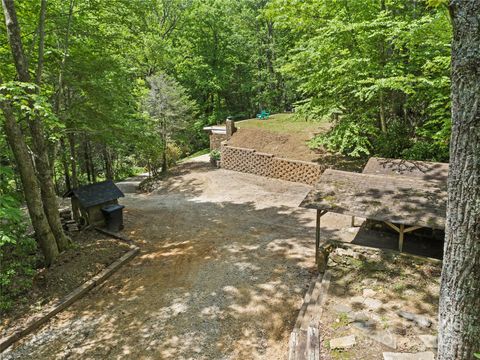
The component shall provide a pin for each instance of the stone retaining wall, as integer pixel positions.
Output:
(253, 162)
(216, 141)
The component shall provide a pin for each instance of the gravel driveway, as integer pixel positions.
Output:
(226, 260)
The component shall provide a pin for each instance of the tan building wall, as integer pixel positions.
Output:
(253, 162)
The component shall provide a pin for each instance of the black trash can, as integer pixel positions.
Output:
(113, 217)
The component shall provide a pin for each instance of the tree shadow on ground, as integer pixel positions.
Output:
(214, 279)
(423, 242)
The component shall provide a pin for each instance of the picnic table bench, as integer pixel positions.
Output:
(404, 203)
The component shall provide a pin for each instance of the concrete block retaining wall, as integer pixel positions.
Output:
(253, 162)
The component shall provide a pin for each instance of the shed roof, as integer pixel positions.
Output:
(96, 194)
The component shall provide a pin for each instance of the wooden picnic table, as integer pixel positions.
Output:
(404, 203)
(425, 170)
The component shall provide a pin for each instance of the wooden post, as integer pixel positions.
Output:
(400, 238)
(317, 235)
(230, 128)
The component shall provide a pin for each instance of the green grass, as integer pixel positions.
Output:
(343, 321)
(281, 123)
(195, 154)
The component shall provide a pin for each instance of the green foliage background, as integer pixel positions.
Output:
(350, 60)
(354, 63)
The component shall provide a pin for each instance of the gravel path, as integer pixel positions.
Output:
(226, 259)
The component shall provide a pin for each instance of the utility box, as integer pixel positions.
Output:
(113, 217)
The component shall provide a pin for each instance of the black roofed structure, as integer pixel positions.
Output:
(88, 201)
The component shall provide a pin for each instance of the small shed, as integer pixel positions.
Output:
(88, 201)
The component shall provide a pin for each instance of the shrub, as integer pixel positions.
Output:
(214, 155)
(349, 137)
(427, 151)
(394, 142)
(17, 253)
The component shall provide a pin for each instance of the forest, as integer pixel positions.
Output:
(94, 90)
(77, 85)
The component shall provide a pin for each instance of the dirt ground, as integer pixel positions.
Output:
(367, 292)
(292, 145)
(90, 254)
(226, 259)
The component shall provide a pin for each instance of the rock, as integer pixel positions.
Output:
(369, 281)
(383, 337)
(400, 330)
(359, 316)
(343, 342)
(369, 293)
(365, 325)
(342, 308)
(428, 355)
(372, 304)
(337, 290)
(409, 293)
(430, 341)
(420, 320)
(357, 300)
(347, 252)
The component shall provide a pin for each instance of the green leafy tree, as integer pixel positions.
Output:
(170, 110)
(372, 67)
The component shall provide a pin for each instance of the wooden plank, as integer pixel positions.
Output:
(316, 302)
(292, 345)
(400, 200)
(304, 342)
(65, 302)
(313, 343)
(306, 301)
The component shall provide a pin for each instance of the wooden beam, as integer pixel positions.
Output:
(401, 231)
(320, 213)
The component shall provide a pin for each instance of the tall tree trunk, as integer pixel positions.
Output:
(73, 159)
(41, 41)
(31, 188)
(91, 163)
(86, 161)
(107, 158)
(36, 127)
(383, 124)
(383, 61)
(459, 325)
(164, 147)
(66, 170)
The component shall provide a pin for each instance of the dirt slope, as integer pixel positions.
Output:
(292, 145)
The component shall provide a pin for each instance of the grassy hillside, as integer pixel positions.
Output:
(286, 136)
(284, 123)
